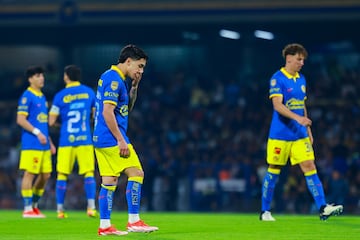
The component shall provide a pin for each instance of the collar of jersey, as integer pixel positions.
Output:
(116, 69)
(288, 75)
(73, 84)
(35, 92)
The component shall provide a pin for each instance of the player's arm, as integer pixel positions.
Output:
(284, 111)
(53, 115)
(52, 119)
(52, 146)
(308, 127)
(110, 120)
(133, 91)
(92, 115)
(21, 120)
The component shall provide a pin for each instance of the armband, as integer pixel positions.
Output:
(36, 131)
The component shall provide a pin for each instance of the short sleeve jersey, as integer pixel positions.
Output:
(33, 105)
(112, 89)
(74, 106)
(293, 91)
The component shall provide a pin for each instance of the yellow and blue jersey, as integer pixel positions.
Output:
(293, 91)
(33, 105)
(74, 106)
(112, 89)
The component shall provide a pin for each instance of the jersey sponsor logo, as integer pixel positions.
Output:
(78, 105)
(69, 98)
(23, 100)
(273, 82)
(114, 85)
(111, 94)
(294, 103)
(274, 90)
(42, 117)
(289, 89)
(72, 138)
(23, 108)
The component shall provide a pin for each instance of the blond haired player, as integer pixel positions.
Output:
(290, 134)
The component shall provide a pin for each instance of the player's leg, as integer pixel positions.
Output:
(61, 187)
(27, 164)
(64, 166)
(316, 189)
(303, 150)
(133, 192)
(313, 182)
(90, 191)
(268, 186)
(106, 195)
(38, 191)
(277, 156)
(32, 193)
(86, 161)
(108, 161)
(26, 191)
(135, 175)
(42, 178)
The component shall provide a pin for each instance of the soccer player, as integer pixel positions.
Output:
(114, 152)
(36, 145)
(74, 105)
(290, 133)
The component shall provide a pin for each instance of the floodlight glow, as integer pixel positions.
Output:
(229, 34)
(264, 35)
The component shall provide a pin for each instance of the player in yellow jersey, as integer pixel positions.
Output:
(36, 145)
(114, 152)
(290, 133)
(73, 107)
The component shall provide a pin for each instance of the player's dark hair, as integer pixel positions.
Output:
(133, 52)
(293, 49)
(33, 70)
(73, 72)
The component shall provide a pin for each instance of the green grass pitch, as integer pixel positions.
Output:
(182, 226)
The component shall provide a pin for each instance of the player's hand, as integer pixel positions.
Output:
(136, 80)
(304, 121)
(52, 149)
(42, 139)
(123, 149)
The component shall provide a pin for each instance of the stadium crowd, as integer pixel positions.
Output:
(189, 127)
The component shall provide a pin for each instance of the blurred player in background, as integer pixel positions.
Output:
(114, 152)
(74, 105)
(36, 145)
(290, 133)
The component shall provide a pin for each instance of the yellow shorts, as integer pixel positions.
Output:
(35, 161)
(279, 151)
(84, 155)
(111, 164)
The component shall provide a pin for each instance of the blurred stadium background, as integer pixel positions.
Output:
(201, 120)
